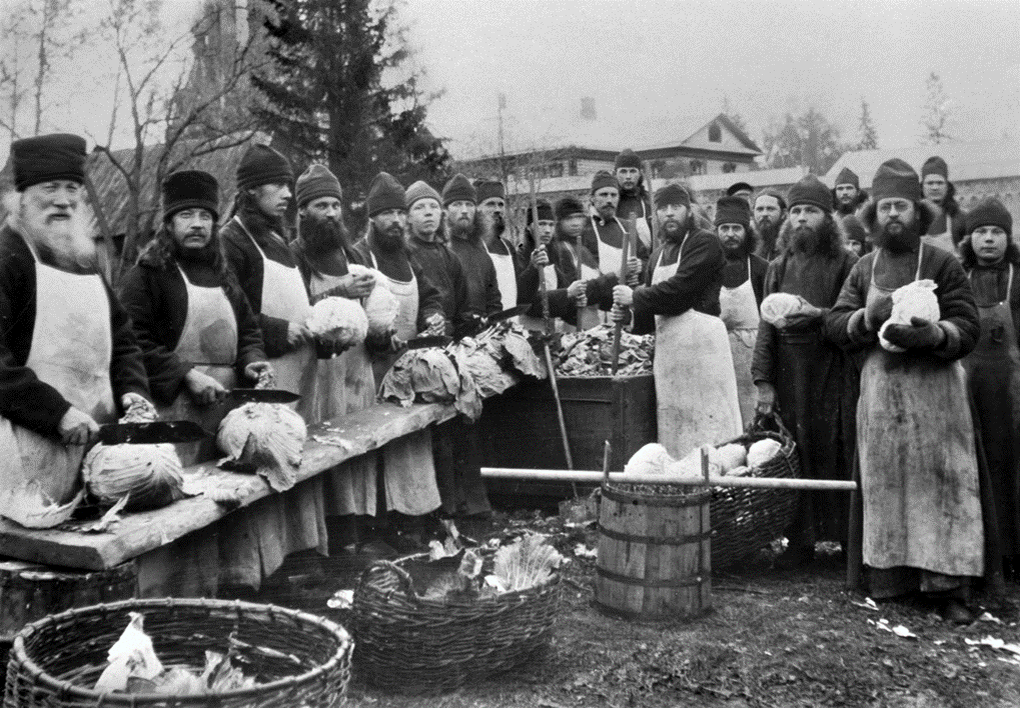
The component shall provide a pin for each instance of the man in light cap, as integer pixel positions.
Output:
(741, 293)
(920, 484)
(603, 237)
(948, 227)
(465, 240)
(769, 213)
(68, 357)
(695, 387)
(635, 202)
(798, 370)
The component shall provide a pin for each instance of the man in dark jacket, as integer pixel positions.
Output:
(197, 332)
(802, 373)
(603, 236)
(769, 211)
(949, 226)
(546, 261)
(465, 240)
(849, 198)
(634, 198)
(68, 357)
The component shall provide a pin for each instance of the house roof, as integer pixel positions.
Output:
(967, 161)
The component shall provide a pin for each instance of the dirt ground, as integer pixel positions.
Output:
(772, 639)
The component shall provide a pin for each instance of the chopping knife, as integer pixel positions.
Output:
(263, 395)
(159, 431)
(507, 314)
(426, 342)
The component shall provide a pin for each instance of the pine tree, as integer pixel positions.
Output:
(937, 112)
(326, 97)
(866, 129)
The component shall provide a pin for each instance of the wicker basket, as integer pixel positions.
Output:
(297, 658)
(409, 644)
(745, 519)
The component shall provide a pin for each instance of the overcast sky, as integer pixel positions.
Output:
(665, 57)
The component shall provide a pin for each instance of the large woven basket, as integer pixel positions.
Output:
(409, 644)
(297, 659)
(745, 519)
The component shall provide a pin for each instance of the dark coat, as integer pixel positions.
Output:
(24, 399)
(444, 271)
(429, 298)
(483, 294)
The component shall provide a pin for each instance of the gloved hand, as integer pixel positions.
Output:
(877, 312)
(803, 320)
(919, 334)
(765, 400)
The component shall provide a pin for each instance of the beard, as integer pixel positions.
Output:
(464, 230)
(804, 239)
(322, 236)
(846, 208)
(491, 227)
(899, 237)
(390, 240)
(63, 242)
(672, 229)
(768, 231)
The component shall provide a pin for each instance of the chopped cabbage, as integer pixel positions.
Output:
(266, 436)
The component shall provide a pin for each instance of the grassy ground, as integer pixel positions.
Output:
(773, 638)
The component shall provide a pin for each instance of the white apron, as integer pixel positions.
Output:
(209, 342)
(610, 257)
(409, 472)
(695, 388)
(254, 544)
(537, 324)
(345, 384)
(943, 240)
(71, 350)
(740, 315)
(644, 231)
(506, 278)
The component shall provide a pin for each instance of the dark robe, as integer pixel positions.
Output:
(483, 294)
(446, 274)
(400, 267)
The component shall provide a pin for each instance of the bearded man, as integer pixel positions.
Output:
(635, 202)
(741, 293)
(69, 360)
(949, 226)
(198, 335)
(928, 523)
(849, 198)
(695, 387)
(769, 214)
(603, 236)
(465, 240)
(565, 292)
(804, 374)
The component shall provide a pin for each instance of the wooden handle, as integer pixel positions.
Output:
(618, 330)
(686, 481)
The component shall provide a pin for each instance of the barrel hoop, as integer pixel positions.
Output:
(677, 501)
(635, 615)
(654, 540)
(628, 580)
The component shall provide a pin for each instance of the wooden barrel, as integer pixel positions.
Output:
(29, 591)
(654, 556)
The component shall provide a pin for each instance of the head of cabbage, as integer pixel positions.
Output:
(338, 321)
(150, 475)
(381, 305)
(915, 299)
(265, 437)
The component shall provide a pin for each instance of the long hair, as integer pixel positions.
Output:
(949, 204)
(969, 259)
(832, 238)
(861, 198)
(925, 216)
(246, 206)
(161, 252)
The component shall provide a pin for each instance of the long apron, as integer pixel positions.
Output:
(695, 387)
(610, 257)
(943, 240)
(537, 324)
(209, 342)
(254, 544)
(345, 384)
(506, 278)
(644, 231)
(409, 472)
(71, 350)
(918, 464)
(740, 315)
(993, 374)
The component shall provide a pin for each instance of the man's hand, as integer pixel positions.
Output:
(297, 335)
(77, 427)
(360, 286)
(803, 320)
(204, 388)
(877, 312)
(619, 314)
(257, 369)
(633, 271)
(539, 257)
(623, 295)
(765, 400)
(919, 334)
(435, 325)
(578, 292)
(138, 406)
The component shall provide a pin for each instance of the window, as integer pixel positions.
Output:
(697, 167)
(729, 167)
(714, 133)
(572, 167)
(556, 169)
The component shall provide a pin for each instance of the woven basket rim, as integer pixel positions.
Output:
(29, 666)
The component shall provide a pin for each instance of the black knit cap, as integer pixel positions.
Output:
(895, 179)
(935, 166)
(627, 158)
(190, 189)
(672, 194)
(847, 176)
(738, 187)
(263, 165)
(385, 193)
(489, 188)
(989, 212)
(569, 206)
(459, 189)
(545, 211)
(733, 210)
(315, 183)
(810, 190)
(45, 158)
(603, 179)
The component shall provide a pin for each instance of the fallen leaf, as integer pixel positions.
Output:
(868, 604)
(988, 617)
(585, 552)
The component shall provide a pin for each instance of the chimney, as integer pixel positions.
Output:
(588, 108)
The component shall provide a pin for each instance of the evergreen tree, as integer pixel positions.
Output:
(808, 140)
(866, 129)
(937, 112)
(326, 97)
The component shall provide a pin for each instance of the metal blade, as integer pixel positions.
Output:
(160, 431)
(509, 313)
(426, 342)
(264, 395)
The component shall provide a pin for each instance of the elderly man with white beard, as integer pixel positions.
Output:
(69, 360)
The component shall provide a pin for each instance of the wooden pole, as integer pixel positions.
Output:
(685, 481)
(651, 206)
(618, 329)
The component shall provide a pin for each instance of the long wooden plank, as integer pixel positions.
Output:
(329, 444)
(634, 478)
